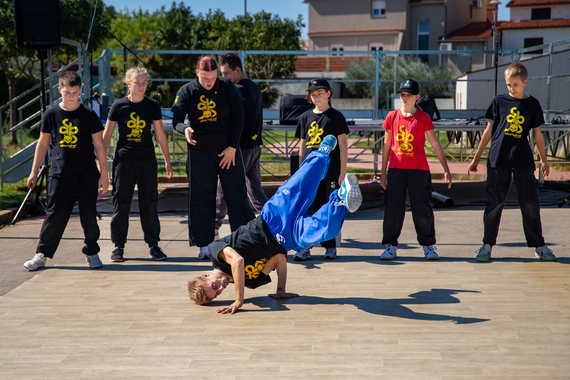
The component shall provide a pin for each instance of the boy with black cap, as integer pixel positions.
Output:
(404, 140)
(313, 126)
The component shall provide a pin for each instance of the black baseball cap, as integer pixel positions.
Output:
(315, 84)
(410, 86)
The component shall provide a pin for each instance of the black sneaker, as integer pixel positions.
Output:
(117, 255)
(157, 254)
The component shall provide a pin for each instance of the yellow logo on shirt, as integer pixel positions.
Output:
(405, 138)
(253, 271)
(68, 131)
(136, 125)
(315, 133)
(515, 120)
(207, 107)
(254, 137)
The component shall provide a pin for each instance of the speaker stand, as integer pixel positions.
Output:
(42, 54)
(38, 204)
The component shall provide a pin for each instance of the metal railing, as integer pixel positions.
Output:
(558, 138)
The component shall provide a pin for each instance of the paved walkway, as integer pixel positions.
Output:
(357, 317)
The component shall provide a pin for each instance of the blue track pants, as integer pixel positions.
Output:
(284, 213)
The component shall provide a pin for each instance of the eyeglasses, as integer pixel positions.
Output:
(142, 84)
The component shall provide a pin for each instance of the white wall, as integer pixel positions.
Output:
(524, 13)
(513, 39)
(478, 95)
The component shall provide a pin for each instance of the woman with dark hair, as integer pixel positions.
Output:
(214, 109)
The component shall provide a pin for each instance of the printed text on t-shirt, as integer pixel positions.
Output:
(136, 125)
(252, 271)
(207, 107)
(68, 131)
(315, 133)
(515, 120)
(405, 138)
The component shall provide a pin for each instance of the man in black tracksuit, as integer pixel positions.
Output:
(214, 109)
(250, 142)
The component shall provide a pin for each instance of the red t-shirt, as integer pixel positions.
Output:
(408, 139)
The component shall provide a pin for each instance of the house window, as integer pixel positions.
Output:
(464, 47)
(540, 14)
(530, 42)
(337, 48)
(423, 39)
(378, 9)
(376, 47)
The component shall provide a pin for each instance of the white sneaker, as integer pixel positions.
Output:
(389, 253)
(484, 253)
(304, 254)
(545, 253)
(94, 261)
(330, 253)
(38, 261)
(430, 252)
(203, 255)
(350, 193)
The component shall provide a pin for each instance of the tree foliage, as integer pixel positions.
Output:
(177, 28)
(406, 67)
(16, 64)
(180, 29)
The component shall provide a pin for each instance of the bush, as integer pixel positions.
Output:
(407, 67)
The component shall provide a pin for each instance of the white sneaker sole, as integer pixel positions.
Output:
(353, 196)
(32, 266)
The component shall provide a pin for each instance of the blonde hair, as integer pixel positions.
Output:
(196, 291)
(516, 69)
(131, 73)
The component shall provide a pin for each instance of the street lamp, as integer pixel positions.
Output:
(495, 4)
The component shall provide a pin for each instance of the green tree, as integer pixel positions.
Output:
(262, 31)
(21, 65)
(179, 29)
(407, 67)
(76, 18)
(16, 64)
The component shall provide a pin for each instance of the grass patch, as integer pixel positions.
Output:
(13, 194)
(559, 167)
(358, 170)
(273, 168)
(178, 169)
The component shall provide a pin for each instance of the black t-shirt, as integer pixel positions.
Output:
(215, 115)
(71, 143)
(253, 114)
(512, 121)
(256, 244)
(314, 127)
(135, 122)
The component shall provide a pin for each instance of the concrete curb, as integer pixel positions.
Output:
(6, 216)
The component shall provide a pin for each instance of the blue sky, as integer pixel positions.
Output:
(283, 8)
